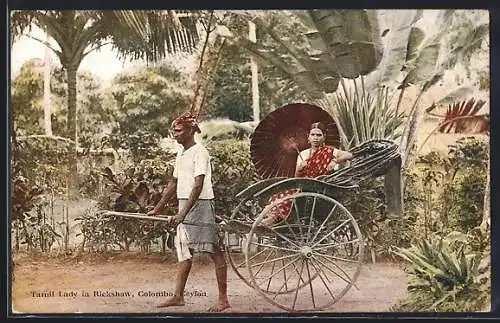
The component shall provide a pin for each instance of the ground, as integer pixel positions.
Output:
(379, 286)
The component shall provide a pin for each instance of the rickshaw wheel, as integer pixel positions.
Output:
(306, 267)
(247, 210)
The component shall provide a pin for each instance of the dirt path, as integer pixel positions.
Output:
(45, 286)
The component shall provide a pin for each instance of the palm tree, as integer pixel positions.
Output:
(77, 33)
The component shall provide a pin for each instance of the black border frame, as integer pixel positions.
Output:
(160, 4)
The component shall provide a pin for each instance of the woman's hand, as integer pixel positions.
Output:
(301, 166)
(331, 166)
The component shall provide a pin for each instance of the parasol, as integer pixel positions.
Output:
(280, 136)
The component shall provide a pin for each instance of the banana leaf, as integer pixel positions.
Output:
(351, 37)
(401, 43)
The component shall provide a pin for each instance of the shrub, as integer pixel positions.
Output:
(232, 171)
(446, 276)
(137, 190)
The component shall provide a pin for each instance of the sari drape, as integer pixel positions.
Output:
(316, 165)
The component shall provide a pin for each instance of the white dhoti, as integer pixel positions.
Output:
(181, 242)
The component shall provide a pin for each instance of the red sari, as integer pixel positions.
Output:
(316, 165)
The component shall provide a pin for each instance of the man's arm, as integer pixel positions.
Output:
(167, 195)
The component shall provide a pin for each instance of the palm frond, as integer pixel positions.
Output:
(20, 21)
(151, 34)
(463, 117)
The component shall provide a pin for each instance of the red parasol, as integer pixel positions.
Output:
(279, 137)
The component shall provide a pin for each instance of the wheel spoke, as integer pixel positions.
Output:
(311, 219)
(272, 260)
(333, 271)
(273, 247)
(276, 294)
(272, 270)
(334, 244)
(264, 262)
(297, 271)
(329, 233)
(319, 271)
(296, 207)
(284, 275)
(282, 268)
(244, 262)
(298, 284)
(290, 228)
(336, 265)
(334, 257)
(310, 283)
(283, 237)
(324, 222)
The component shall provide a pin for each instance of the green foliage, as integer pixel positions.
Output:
(232, 171)
(364, 117)
(41, 162)
(27, 91)
(92, 114)
(445, 276)
(148, 100)
(37, 172)
(453, 187)
(137, 190)
(231, 96)
(140, 145)
(380, 232)
(27, 109)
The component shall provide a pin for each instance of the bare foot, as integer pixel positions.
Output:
(219, 307)
(174, 301)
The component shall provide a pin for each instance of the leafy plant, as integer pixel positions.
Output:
(444, 278)
(364, 117)
(463, 117)
(137, 190)
(232, 171)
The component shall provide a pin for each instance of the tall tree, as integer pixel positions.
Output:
(77, 33)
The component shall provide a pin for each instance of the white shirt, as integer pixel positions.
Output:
(190, 163)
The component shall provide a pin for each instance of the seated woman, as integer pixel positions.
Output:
(312, 162)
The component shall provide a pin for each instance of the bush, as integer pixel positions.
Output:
(137, 190)
(232, 171)
(380, 232)
(446, 276)
(452, 187)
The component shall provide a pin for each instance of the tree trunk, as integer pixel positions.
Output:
(72, 134)
(255, 75)
(410, 133)
(47, 109)
(205, 72)
(485, 223)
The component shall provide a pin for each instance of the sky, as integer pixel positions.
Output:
(103, 62)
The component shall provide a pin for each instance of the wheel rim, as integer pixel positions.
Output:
(308, 259)
(244, 211)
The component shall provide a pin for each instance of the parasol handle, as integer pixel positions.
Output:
(298, 152)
